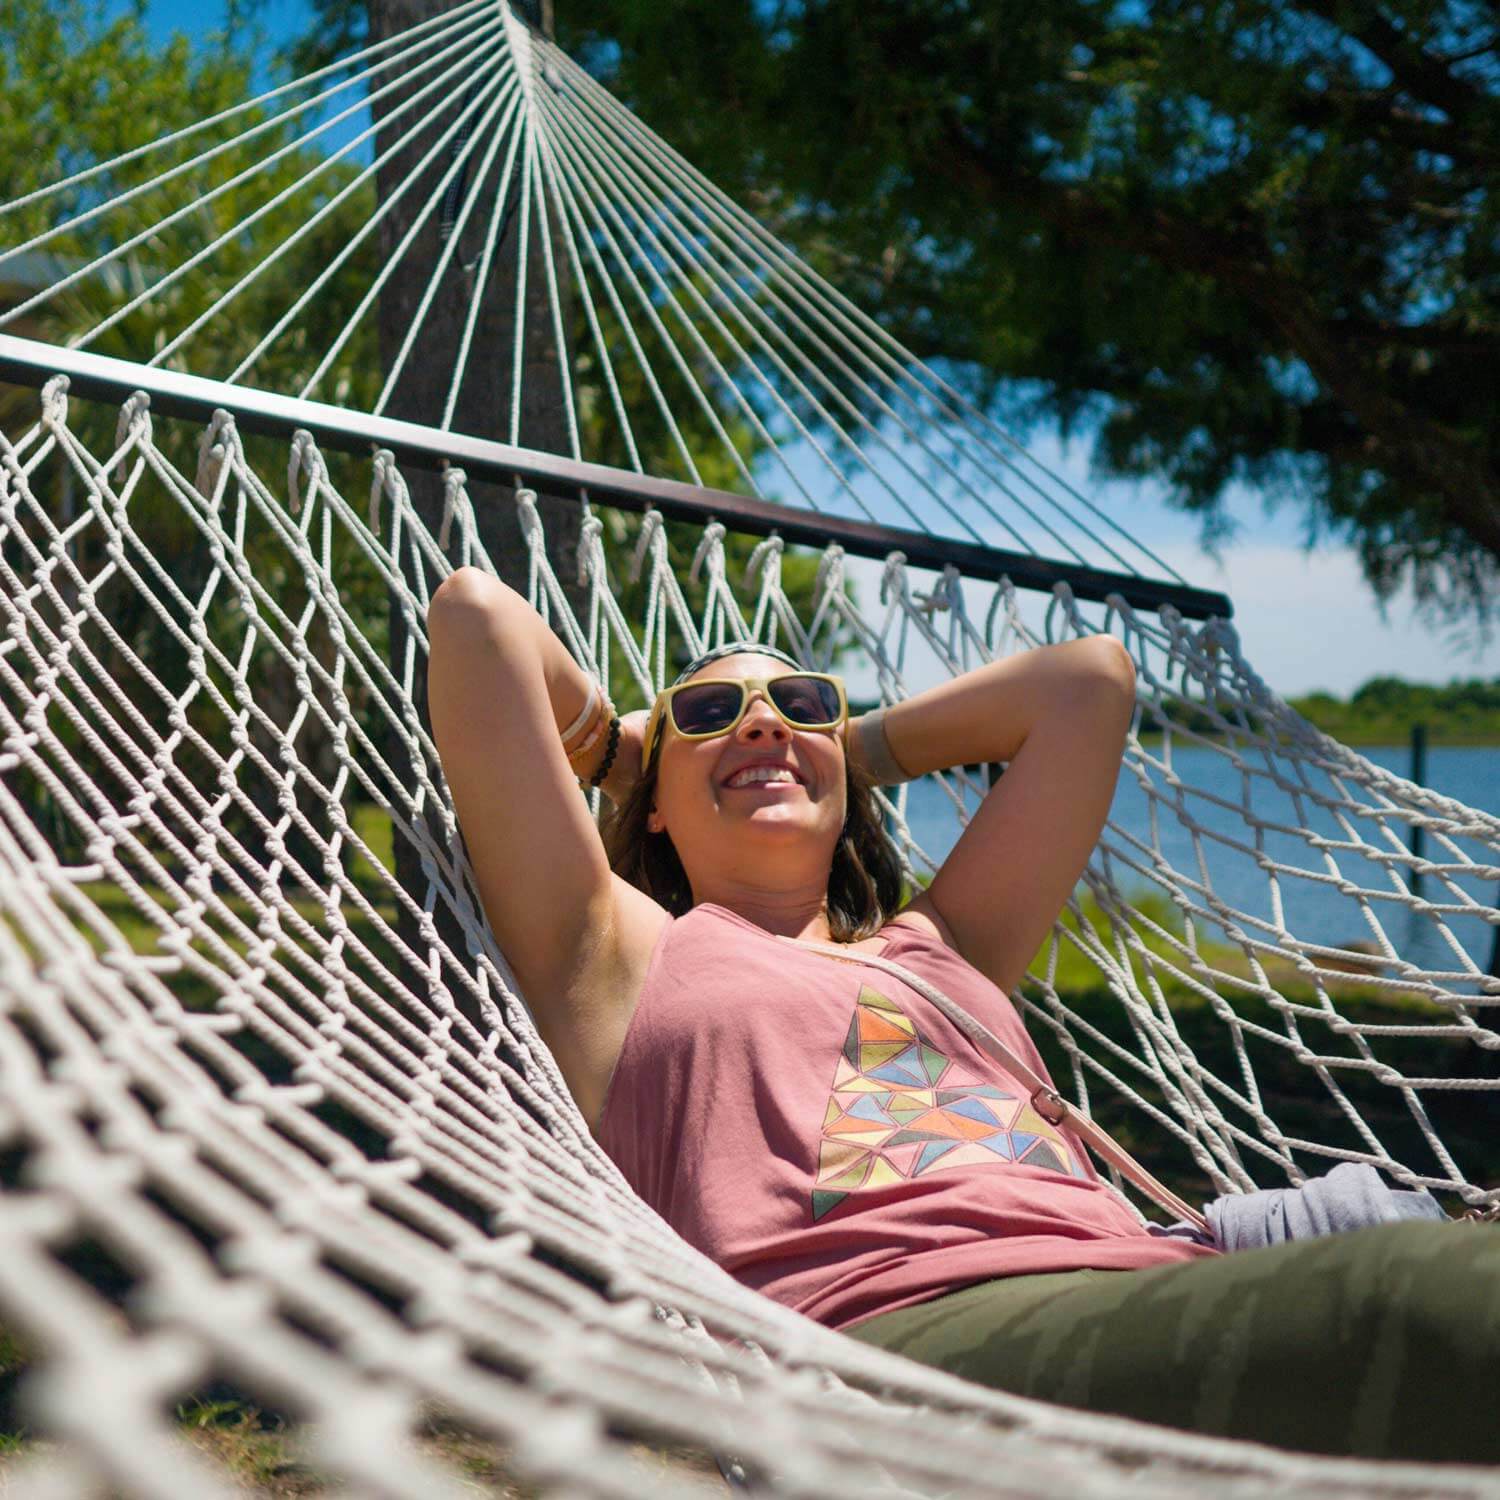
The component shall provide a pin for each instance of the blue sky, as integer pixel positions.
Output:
(1306, 621)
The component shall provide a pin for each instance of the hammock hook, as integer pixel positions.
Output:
(760, 558)
(382, 482)
(213, 448)
(55, 402)
(1005, 593)
(455, 503)
(531, 521)
(710, 550)
(652, 534)
(135, 419)
(893, 577)
(591, 560)
(830, 575)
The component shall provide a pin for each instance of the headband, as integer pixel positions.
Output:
(734, 648)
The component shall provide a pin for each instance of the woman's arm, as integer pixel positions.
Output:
(501, 688)
(1058, 716)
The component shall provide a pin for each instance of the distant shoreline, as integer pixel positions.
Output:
(1383, 740)
(1434, 742)
(1379, 715)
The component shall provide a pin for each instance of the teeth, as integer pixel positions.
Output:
(753, 774)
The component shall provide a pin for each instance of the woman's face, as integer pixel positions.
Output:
(762, 790)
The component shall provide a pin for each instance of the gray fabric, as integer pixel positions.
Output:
(875, 748)
(735, 648)
(1352, 1196)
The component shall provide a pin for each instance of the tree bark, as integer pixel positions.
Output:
(484, 404)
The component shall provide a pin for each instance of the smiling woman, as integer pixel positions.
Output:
(772, 736)
(778, 1059)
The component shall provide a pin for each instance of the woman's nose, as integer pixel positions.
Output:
(762, 720)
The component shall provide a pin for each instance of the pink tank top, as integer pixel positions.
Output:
(833, 1141)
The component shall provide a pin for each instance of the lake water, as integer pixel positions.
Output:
(1213, 791)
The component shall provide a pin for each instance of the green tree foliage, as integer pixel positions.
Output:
(1247, 241)
(1462, 711)
(80, 85)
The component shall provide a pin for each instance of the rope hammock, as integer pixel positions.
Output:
(270, 1116)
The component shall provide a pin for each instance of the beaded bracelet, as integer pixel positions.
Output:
(597, 779)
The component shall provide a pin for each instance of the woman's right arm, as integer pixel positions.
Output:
(501, 688)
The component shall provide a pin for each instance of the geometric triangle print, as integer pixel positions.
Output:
(836, 1157)
(1043, 1155)
(853, 1178)
(859, 1084)
(935, 1063)
(843, 1073)
(873, 1054)
(874, 1027)
(851, 1127)
(900, 1066)
(899, 1108)
(975, 1109)
(869, 995)
(824, 1203)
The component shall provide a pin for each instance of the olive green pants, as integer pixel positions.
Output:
(1381, 1342)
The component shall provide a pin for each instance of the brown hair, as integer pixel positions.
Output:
(864, 882)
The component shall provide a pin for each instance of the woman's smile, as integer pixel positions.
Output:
(763, 776)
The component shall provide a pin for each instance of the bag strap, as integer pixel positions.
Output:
(1045, 1100)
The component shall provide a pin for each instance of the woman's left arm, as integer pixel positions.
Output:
(1058, 717)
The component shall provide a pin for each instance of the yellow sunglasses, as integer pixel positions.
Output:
(712, 706)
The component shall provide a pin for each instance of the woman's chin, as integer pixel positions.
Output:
(781, 818)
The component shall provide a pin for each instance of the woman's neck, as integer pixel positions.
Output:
(785, 913)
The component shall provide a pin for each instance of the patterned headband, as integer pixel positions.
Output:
(734, 648)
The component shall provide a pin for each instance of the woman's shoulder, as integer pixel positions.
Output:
(921, 921)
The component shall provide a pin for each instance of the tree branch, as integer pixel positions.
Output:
(1376, 113)
(1404, 440)
(1417, 70)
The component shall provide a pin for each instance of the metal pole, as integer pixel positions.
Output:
(1419, 776)
(97, 376)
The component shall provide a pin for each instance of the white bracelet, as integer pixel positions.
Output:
(592, 738)
(583, 714)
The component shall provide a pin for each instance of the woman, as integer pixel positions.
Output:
(822, 1131)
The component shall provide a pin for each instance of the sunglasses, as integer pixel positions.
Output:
(715, 705)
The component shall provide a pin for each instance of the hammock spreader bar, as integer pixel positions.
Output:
(28, 362)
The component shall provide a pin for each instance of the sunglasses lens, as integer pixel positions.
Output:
(705, 708)
(806, 700)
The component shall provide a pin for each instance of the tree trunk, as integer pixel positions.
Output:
(484, 404)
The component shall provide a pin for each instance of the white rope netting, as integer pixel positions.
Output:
(317, 1142)
(272, 1117)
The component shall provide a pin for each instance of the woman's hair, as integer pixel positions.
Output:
(864, 882)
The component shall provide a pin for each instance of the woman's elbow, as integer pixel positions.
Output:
(468, 591)
(1116, 662)
(1103, 678)
(470, 606)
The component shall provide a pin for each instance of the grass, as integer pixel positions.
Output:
(265, 1458)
